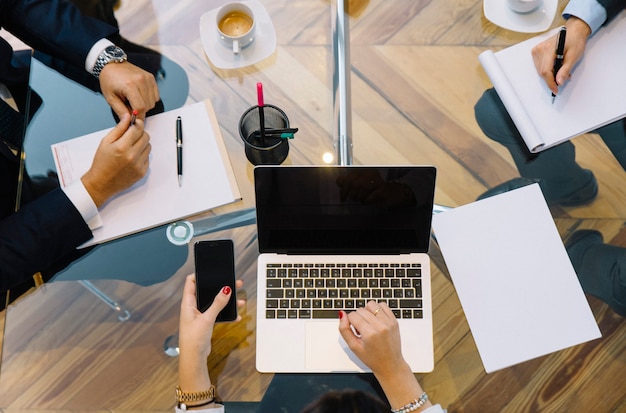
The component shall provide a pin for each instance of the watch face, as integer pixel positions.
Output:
(115, 52)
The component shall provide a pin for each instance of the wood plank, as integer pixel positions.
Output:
(479, 159)
(380, 21)
(558, 387)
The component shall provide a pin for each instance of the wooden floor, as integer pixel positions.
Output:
(415, 79)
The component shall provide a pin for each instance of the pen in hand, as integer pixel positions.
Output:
(560, 51)
(179, 149)
(133, 117)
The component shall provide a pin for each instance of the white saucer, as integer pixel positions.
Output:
(539, 20)
(222, 56)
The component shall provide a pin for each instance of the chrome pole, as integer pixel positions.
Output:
(122, 314)
(342, 115)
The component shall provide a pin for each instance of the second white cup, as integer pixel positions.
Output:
(235, 25)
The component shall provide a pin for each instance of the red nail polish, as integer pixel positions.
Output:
(226, 290)
(340, 315)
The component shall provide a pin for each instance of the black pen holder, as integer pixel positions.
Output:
(264, 150)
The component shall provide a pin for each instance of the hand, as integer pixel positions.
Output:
(124, 84)
(195, 331)
(378, 346)
(196, 328)
(378, 342)
(544, 53)
(120, 160)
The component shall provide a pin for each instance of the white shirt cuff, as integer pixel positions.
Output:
(591, 12)
(95, 51)
(81, 199)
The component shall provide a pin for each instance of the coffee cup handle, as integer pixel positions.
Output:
(235, 46)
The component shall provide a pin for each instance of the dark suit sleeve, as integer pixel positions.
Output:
(38, 236)
(55, 27)
(613, 7)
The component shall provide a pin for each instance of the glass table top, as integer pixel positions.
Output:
(101, 335)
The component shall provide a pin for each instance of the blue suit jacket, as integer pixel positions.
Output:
(46, 231)
(613, 7)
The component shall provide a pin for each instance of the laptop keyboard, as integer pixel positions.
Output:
(319, 291)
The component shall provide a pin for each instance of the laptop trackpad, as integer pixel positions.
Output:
(326, 350)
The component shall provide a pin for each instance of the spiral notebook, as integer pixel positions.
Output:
(593, 97)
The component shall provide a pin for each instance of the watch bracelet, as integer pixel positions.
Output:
(102, 60)
(100, 63)
(182, 397)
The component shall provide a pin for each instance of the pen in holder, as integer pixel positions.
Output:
(259, 93)
(268, 145)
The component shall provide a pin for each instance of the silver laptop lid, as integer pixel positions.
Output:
(344, 209)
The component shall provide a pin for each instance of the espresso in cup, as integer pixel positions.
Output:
(235, 25)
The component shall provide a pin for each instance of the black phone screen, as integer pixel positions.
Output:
(215, 269)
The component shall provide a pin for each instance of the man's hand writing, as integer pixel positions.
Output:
(544, 53)
(120, 160)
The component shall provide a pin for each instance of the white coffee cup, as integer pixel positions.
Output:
(235, 25)
(524, 6)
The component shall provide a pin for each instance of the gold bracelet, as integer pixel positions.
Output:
(182, 397)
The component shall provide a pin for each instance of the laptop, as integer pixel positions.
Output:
(332, 238)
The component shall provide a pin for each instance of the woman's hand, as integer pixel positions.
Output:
(195, 331)
(378, 341)
(375, 340)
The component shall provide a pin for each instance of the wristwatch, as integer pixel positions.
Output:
(110, 54)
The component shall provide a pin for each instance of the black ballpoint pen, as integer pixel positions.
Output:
(179, 149)
(560, 51)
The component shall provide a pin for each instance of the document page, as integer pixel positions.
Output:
(208, 179)
(516, 284)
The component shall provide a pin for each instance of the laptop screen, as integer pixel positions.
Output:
(344, 209)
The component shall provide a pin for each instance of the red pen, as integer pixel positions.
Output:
(259, 94)
(132, 120)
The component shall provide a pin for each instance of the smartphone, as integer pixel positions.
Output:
(215, 268)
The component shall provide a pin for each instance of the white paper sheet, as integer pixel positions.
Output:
(516, 284)
(208, 180)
